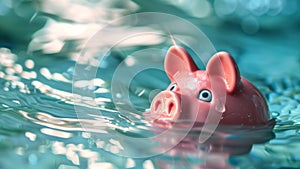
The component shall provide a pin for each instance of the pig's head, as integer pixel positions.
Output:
(219, 91)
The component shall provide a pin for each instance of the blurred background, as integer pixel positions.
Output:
(242, 27)
(40, 41)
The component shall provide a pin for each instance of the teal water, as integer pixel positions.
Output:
(43, 125)
(41, 129)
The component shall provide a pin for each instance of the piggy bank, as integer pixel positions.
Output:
(217, 91)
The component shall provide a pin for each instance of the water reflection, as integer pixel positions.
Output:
(226, 142)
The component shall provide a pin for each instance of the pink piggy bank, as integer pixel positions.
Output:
(218, 91)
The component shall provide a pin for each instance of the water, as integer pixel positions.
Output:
(44, 125)
(40, 128)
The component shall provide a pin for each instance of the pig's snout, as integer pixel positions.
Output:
(165, 105)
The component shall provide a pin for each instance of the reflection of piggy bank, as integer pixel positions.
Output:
(242, 103)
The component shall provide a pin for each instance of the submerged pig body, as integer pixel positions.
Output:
(218, 91)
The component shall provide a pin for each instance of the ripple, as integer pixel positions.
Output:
(37, 108)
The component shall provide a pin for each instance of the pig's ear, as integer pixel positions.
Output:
(178, 60)
(222, 64)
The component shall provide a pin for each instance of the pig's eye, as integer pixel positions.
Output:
(205, 95)
(173, 87)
